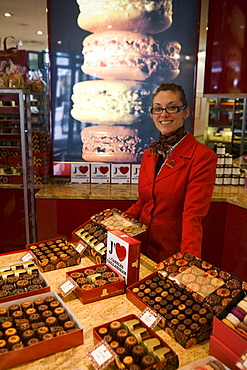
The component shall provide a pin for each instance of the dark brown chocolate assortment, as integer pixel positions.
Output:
(30, 327)
(55, 254)
(91, 278)
(19, 278)
(176, 306)
(135, 346)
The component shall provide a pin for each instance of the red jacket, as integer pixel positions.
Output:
(174, 203)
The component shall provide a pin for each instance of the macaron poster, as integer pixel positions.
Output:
(118, 53)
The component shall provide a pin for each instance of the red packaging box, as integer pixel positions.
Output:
(40, 251)
(207, 285)
(225, 334)
(44, 348)
(168, 364)
(223, 353)
(20, 268)
(101, 292)
(123, 255)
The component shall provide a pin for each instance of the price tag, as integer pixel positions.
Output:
(101, 355)
(67, 287)
(150, 318)
(27, 257)
(80, 248)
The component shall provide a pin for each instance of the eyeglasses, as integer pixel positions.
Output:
(170, 110)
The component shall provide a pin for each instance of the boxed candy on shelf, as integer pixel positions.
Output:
(36, 327)
(96, 282)
(20, 280)
(203, 363)
(54, 254)
(135, 343)
(230, 331)
(209, 290)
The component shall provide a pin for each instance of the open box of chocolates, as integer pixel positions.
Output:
(230, 331)
(93, 233)
(190, 291)
(36, 327)
(96, 282)
(54, 254)
(19, 280)
(136, 344)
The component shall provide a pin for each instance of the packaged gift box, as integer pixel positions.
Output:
(96, 282)
(20, 280)
(42, 347)
(152, 344)
(54, 254)
(206, 285)
(223, 353)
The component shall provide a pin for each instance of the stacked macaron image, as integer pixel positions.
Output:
(124, 62)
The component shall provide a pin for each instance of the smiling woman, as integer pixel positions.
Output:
(176, 180)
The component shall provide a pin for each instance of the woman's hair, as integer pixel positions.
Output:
(172, 87)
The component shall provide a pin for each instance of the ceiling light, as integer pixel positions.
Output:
(7, 14)
(39, 32)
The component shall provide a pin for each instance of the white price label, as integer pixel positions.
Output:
(27, 257)
(67, 287)
(80, 247)
(101, 355)
(150, 318)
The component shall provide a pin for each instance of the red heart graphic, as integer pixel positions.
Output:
(103, 170)
(83, 169)
(124, 170)
(121, 252)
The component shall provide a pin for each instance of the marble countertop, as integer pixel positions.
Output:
(236, 195)
(94, 314)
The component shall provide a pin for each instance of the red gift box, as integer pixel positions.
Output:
(46, 347)
(223, 353)
(98, 293)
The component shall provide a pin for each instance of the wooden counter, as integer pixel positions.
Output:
(94, 314)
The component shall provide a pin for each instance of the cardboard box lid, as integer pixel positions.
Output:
(207, 283)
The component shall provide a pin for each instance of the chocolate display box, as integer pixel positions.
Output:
(134, 342)
(93, 233)
(199, 364)
(54, 254)
(232, 342)
(207, 288)
(37, 335)
(21, 280)
(96, 282)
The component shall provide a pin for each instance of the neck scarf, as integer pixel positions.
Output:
(167, 141)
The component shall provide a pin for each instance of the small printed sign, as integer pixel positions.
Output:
(101, 355)
(150, 317)
(117, 254)
(80, 172)
(100, 173)
(135, 170)
(80, 247)
(67, 287)
(120, 173)
(27, 257)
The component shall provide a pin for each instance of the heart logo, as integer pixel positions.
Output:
(103, 170)
(83, 169)
(124, 170)
(121, 252)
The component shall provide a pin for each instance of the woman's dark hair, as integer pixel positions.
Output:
(172, 87)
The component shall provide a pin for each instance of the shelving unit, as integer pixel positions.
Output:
(239, 128)
(24, 151)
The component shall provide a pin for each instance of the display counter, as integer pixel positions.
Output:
(95, 314)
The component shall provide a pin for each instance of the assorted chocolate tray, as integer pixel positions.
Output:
(54, 254)
(96, 282)
(36, 327)
(19, 280)
(136, 344)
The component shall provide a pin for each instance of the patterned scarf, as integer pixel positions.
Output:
(167, 141)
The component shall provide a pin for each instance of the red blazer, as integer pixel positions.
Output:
(173, 203)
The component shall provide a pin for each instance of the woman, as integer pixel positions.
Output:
(176, 180)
